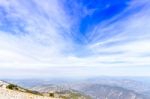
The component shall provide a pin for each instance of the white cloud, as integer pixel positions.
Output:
(46, 41)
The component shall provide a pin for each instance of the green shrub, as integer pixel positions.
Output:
(33, 92)
(12, 87)
(51, 94)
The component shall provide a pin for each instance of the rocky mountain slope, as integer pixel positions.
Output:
(9, 91)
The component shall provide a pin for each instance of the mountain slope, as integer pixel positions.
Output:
(6, 93)
(96, 91)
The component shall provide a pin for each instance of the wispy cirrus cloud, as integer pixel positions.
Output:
(51, 34)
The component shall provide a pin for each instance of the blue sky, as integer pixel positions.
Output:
(74, 37)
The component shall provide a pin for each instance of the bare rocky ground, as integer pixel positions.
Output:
(14, 94)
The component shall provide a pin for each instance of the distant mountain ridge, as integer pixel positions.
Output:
(96, 91)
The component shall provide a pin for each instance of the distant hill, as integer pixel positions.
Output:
(61, 90)
(95, 91)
